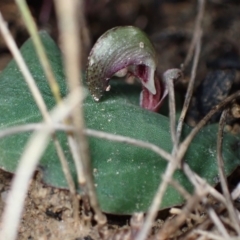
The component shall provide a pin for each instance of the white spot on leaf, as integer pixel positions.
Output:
(141, 45)
(91, 62)
(96, 99)
(108, 88)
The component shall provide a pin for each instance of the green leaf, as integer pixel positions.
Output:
(126, 176)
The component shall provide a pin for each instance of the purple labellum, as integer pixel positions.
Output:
(151, 101)
(121, 51)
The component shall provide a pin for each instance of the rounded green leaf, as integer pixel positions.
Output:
(126, 176)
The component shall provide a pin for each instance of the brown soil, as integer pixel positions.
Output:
(47, 213)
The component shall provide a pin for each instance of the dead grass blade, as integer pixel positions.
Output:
(189, 93)
(197, 28)
(68, 13)
(33, 31)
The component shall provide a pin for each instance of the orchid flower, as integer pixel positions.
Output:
(123, 51)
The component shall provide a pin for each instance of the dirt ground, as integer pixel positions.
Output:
(48, 211)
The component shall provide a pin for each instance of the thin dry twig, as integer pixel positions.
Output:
(23, 66)
(172, 107)
(152, 212)
(189, 93)
(195, 44)
(27, 165)
(89, 132)
(227, 221)
(177, 211)
(68, 13)
(223, 180)
(169, 78)
(84, 34)
(208, 235)
(172, 225)
(32, 127)
(197, 28)
(172, 110)
(207, 224)
(187, 141)
(128, 140)
(196, 180)
(217, 222)
(180, 189)
(201, 190)
(236, 192)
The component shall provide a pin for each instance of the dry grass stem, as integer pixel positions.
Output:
(223, 180)
(187, 141)
(180, 189)
(236, 192)
(77, 159)
(189, 93)
(157, 200)
(197, 180)
(27, 165)
(39, 101)
(208, 235)
(169, 78)
(23, 67)
(217, 222)
(89, 132)
(68, 13)
(172, 110)
(197, 28)
(33, 127)
(172, 225)
(33, 31)
(69, 179)
(177, 211)
(128, 140)
(192, 176)
(208, 224)
(227, 221)
(84, 33)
